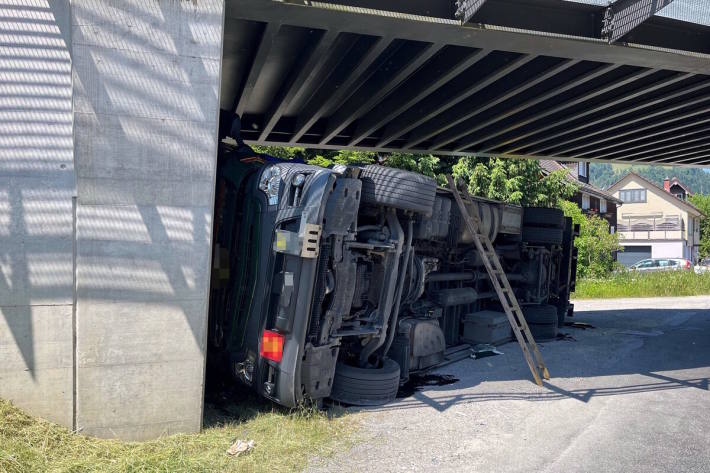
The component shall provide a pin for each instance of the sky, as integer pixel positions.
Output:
(695, 11)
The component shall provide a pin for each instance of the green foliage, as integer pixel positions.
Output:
(354, 157)
(283, 152)
(703, 203)
(517, 181)
(426, 164)
(604, 175)
(321, 161)
(635, 284)
(510, 180)
(594, 243)
(323, 158)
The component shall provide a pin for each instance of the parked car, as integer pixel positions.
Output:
(703, 266)
(340, 282)
(661, 264)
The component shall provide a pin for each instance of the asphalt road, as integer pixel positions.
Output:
(630, 395)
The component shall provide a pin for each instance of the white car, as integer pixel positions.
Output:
(703, 266)
(661, 264)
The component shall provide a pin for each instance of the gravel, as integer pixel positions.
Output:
(619, 400)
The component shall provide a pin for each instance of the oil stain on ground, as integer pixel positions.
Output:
(417, 382)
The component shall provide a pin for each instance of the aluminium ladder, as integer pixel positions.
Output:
(502, 286)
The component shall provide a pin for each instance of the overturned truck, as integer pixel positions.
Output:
(338, 283)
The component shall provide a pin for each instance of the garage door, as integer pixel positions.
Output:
(633, 254)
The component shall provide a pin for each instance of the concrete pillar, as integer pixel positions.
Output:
(36, 222)
(108, 146)
(146, 94)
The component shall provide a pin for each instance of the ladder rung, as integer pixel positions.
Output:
(502, 286)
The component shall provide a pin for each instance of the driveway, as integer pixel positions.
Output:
(630, 395)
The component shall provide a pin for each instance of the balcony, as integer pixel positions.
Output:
(669, 227)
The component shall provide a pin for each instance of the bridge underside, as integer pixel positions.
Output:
(522, 78)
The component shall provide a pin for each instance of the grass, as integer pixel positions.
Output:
(632, 284)
(285, 440)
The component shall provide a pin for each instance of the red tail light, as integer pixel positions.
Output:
(272, 346)
(687, 264)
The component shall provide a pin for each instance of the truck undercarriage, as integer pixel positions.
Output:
(341, 282)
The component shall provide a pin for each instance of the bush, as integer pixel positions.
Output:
(595, 245)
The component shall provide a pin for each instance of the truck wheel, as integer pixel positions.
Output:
(542, 236)
(543, 217)
(542, 320)
(540, 314)
(398, 189)
(562, 310)
(365, 386)
(542, 333)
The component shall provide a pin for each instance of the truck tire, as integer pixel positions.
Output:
(542, 236)
(540, 314)
(543, 333)
(543, 217)
(562, 310)
(542, 320)
(398, 189)
(365, 386)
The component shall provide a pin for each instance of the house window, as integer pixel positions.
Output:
(585, 202)
(602, 206)
(583, 170)
(633, 195)
(594, 204)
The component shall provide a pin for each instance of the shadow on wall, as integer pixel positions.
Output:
(145, 153)
(140, 158)
(36, 188)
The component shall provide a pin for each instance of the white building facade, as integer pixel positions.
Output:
(654, 223)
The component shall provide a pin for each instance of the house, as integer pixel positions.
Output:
(591, 199)
(675, 187)
(656, 222)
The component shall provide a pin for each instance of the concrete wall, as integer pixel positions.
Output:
(146, 92)
(103, 299)
(36, 225)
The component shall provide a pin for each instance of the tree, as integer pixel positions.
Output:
(596, 246)
(354, 157)
(318, 157)
(426, 164)
(703, 203)
(283, 152)
(517, 181)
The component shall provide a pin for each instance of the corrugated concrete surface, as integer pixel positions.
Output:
(36, 225)
(104, 299)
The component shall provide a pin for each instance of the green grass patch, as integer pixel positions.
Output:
(634, 284)
(285, 440)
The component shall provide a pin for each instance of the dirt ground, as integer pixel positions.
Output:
(630, 395)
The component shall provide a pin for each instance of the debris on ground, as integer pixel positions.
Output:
(639, 333)
(483, 350)
(566, 336)
(240, 446)
(582, 325)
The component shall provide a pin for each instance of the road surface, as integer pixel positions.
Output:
(630, 395)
